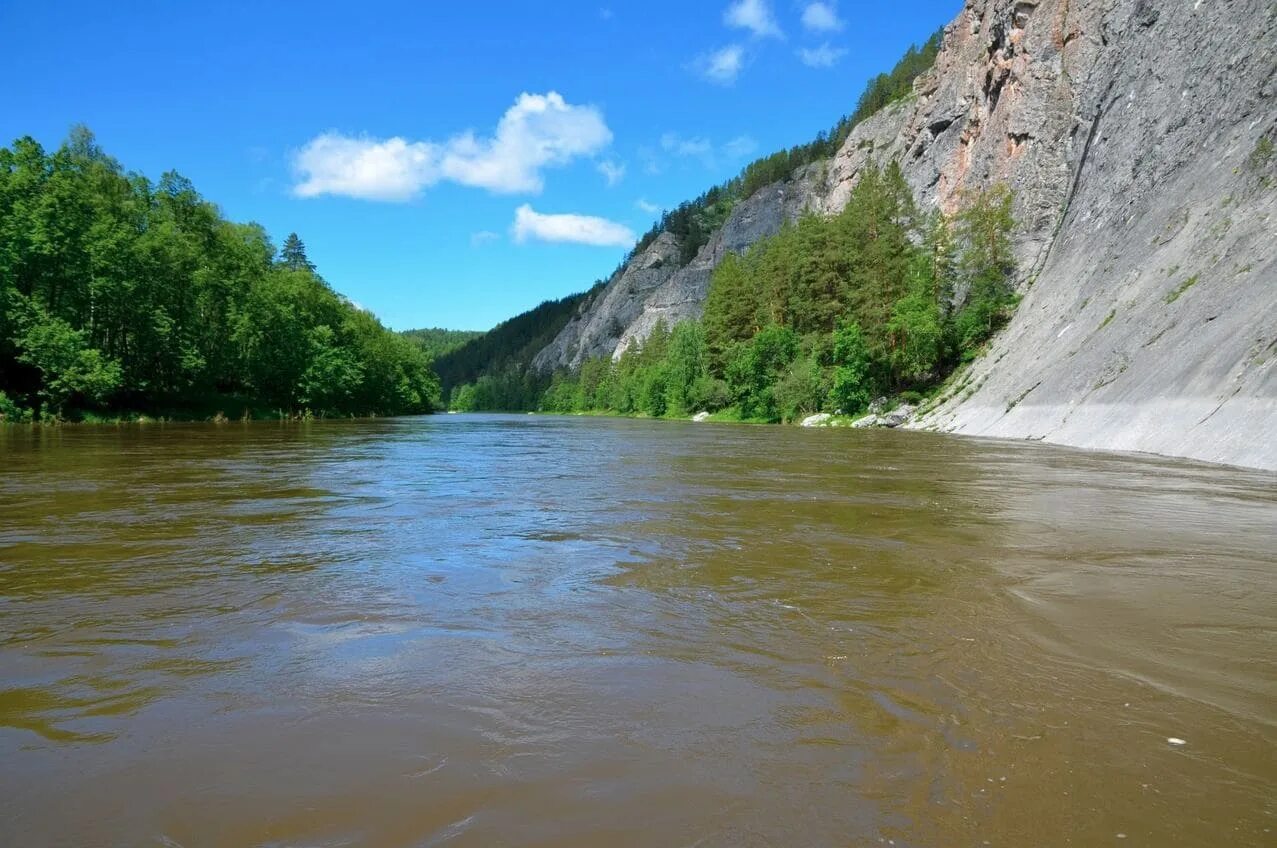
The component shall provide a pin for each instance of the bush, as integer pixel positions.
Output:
(10, 412)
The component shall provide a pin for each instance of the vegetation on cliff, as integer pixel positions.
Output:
(824, 316)
(118, 294)
(494, 373)
(493, 367)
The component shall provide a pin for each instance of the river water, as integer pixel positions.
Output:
(538, 631)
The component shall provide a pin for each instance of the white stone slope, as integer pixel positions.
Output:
(1130, 132)
(1151, 322)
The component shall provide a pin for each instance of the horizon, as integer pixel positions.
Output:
(460, 205)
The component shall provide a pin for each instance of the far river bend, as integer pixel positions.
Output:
(538, 631)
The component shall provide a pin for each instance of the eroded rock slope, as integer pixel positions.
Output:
(1137, 137)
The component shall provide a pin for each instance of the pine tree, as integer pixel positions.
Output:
(293, 255)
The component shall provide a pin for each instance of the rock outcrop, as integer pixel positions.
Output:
(1137, 137)
(1150, 323)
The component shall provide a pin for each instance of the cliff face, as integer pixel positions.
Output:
(1149, 322)
(1131, 132)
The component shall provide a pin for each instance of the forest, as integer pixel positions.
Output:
(492, 370)
(493, 373)
(824, 316)
(120, 297)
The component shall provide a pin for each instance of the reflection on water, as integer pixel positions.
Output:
(487, 630)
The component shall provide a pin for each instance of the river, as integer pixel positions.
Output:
(538, 631)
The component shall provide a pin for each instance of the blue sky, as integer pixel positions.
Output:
(447, 164)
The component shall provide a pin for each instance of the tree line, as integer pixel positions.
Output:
(824, 316)
(491, 371)
(121, 295)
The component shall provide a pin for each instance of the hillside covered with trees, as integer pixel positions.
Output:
(824, 316)
(436, 341)
(119, 296)
(493, 373)
(493, 368)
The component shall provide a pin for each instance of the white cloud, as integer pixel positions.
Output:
(366, 168)
(821, 17)
(483, 237)
(753, 15)
(613, 172)
(576, 229)
(647, 206)
(823, 56)
(537, 132)
(722, 66)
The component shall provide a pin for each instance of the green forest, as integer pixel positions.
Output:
(495, 365)
(824, 316)
(436, 341)
(119, 297)
(492, 372)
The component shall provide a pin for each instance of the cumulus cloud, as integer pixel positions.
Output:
(755, 16)
(483, 237)
(823, 56)
(366, 168)
(722, 66)
(821, 17)
(645, 205)
(613, 172)
(575, 229)
(539, 131)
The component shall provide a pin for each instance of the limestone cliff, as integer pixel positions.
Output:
(1137, 138)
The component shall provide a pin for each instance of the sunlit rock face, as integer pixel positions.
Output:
(1131, 133)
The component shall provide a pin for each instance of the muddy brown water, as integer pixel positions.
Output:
(513, 630)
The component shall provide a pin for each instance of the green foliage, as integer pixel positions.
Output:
(10, 412)
(756, 366)
(801, 390)
(1174, 295)
(119, 292)
(436, 341)
(984, 228)
(68, 367)
(492, 371)
(1261, 154)
(852, 382)
(826, 314)
(500, 357)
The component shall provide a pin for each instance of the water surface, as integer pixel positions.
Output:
(514, 630)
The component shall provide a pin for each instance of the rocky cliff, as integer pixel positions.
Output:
(1137, 137)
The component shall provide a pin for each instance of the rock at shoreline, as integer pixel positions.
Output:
(895, 418)
(700, 416)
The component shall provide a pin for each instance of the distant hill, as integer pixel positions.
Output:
(436, 341)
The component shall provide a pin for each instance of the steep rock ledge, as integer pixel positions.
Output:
(1152, 323)
(1131, 133)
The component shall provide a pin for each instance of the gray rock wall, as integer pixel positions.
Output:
(1128, 130)
(1152, 322)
